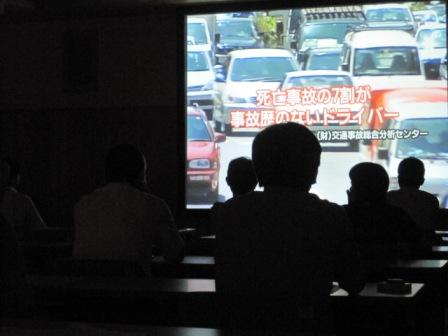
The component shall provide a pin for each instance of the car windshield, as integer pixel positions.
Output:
(388, 14)
(440, 10)
(385, 61)
(263, 69)
(197, 61)
(196, 31)
(432, 38)
(329, 30)
(426, 17)
(431, 146)
(323, 61)
(318, 81)
(197, 129)
(235, 29)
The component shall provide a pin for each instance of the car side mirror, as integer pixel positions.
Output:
(383, 154)
(344, 67)
(220, 137)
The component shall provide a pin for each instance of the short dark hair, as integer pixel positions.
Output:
(241, 176)
(124, 163)
(411, 172)
(369, 181)
(286, 154)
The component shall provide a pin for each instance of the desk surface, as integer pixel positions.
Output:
(176, 285)
(440, 248)
(420, 264)
(370, 291)
(409, 264)
(125, 284)
(189, 260)
(63, 328)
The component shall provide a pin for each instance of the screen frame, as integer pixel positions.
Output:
(195, 217)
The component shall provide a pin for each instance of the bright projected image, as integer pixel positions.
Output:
(369, 80)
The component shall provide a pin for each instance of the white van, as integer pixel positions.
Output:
(198, 34)
(375, 56)
(200, 80)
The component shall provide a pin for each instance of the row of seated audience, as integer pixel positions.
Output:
(278, 250)
(16, 207)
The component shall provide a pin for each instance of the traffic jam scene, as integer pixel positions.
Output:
(369, 80)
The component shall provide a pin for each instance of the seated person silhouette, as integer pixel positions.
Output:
(367, 63)
(278, 250)
(398, 63)
(383, 231)
(18, 208)
(14, 289)
(420, 205)
(121, 220)
(241, 179)
(241, 176)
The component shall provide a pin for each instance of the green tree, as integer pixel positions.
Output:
(266, 26)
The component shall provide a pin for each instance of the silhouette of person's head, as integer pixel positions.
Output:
(398, 63)
(411, 173)
(367, 62)
(369, 183)
(125, 163)
(241, 176)
(286, 155)
(14, 171)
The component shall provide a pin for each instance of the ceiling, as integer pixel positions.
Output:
(54, 7)
(49, 8)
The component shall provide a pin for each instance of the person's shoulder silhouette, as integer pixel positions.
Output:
(121, 220)
(18, 208)
(380, 228)
(281, 246)
(420, 205)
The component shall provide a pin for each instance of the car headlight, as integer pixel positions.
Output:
(208, 86)
(199, 164)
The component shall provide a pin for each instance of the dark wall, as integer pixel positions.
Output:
(60, 114)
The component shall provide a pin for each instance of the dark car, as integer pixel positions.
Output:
(326, 26)
(322, 59)
(235, 33)
(390, 16)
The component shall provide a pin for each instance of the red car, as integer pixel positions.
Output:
(427, 95)
(203, 156)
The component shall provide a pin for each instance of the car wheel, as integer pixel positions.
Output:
(212, 196)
